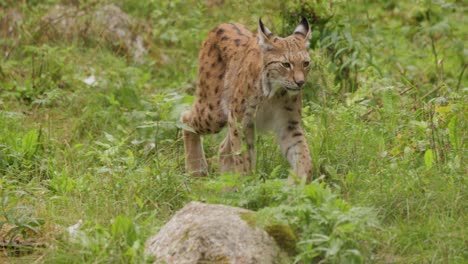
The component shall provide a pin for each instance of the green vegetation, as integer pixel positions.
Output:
(385, 114)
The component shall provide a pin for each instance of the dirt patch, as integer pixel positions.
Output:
(15, 242)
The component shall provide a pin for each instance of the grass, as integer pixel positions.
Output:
(384, 112)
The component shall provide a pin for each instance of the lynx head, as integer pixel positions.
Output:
(286, 61)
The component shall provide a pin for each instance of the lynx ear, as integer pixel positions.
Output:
(263, 36)
(303, 29)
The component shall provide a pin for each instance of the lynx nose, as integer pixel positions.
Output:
(300, 83)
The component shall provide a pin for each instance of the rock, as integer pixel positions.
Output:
(119, 27)
(108, 23)
(10, 23)
(209, 233)
(64, 22)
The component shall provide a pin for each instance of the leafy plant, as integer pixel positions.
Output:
(17, 220)
(328, 229)
(324, 227)
(19, 151)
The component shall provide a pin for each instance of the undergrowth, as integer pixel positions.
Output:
(308, 221)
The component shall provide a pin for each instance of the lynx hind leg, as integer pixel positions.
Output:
(195, 162)
(207, 115)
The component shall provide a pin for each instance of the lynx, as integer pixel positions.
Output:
(249, 82)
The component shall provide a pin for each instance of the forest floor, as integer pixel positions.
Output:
(90, 137)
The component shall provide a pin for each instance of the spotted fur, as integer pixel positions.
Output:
(249, 82)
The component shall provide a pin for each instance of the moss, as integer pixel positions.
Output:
(186, 236)
(214, 260)
(249, 218)
(283, 234)
(284, 237)
(220, 260)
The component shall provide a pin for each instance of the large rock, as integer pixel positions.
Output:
(208, 233)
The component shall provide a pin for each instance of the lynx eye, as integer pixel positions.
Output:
(306, 64)
(286, 65)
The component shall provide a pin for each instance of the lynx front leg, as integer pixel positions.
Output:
(237, 153)
(195, 162)
(249, 154)
(226, 159)
(294, 147)
(231, 158)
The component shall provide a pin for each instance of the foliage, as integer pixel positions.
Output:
(18, 220)
(21, 151)
(327, 228)
(351, 38)
(119, 243)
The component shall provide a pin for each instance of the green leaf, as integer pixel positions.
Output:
(29, 143)
(429, 158)
(454, 135)
(123, 227)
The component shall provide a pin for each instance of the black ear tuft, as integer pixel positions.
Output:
(263, 36)
(303, 28)
(263, 28)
